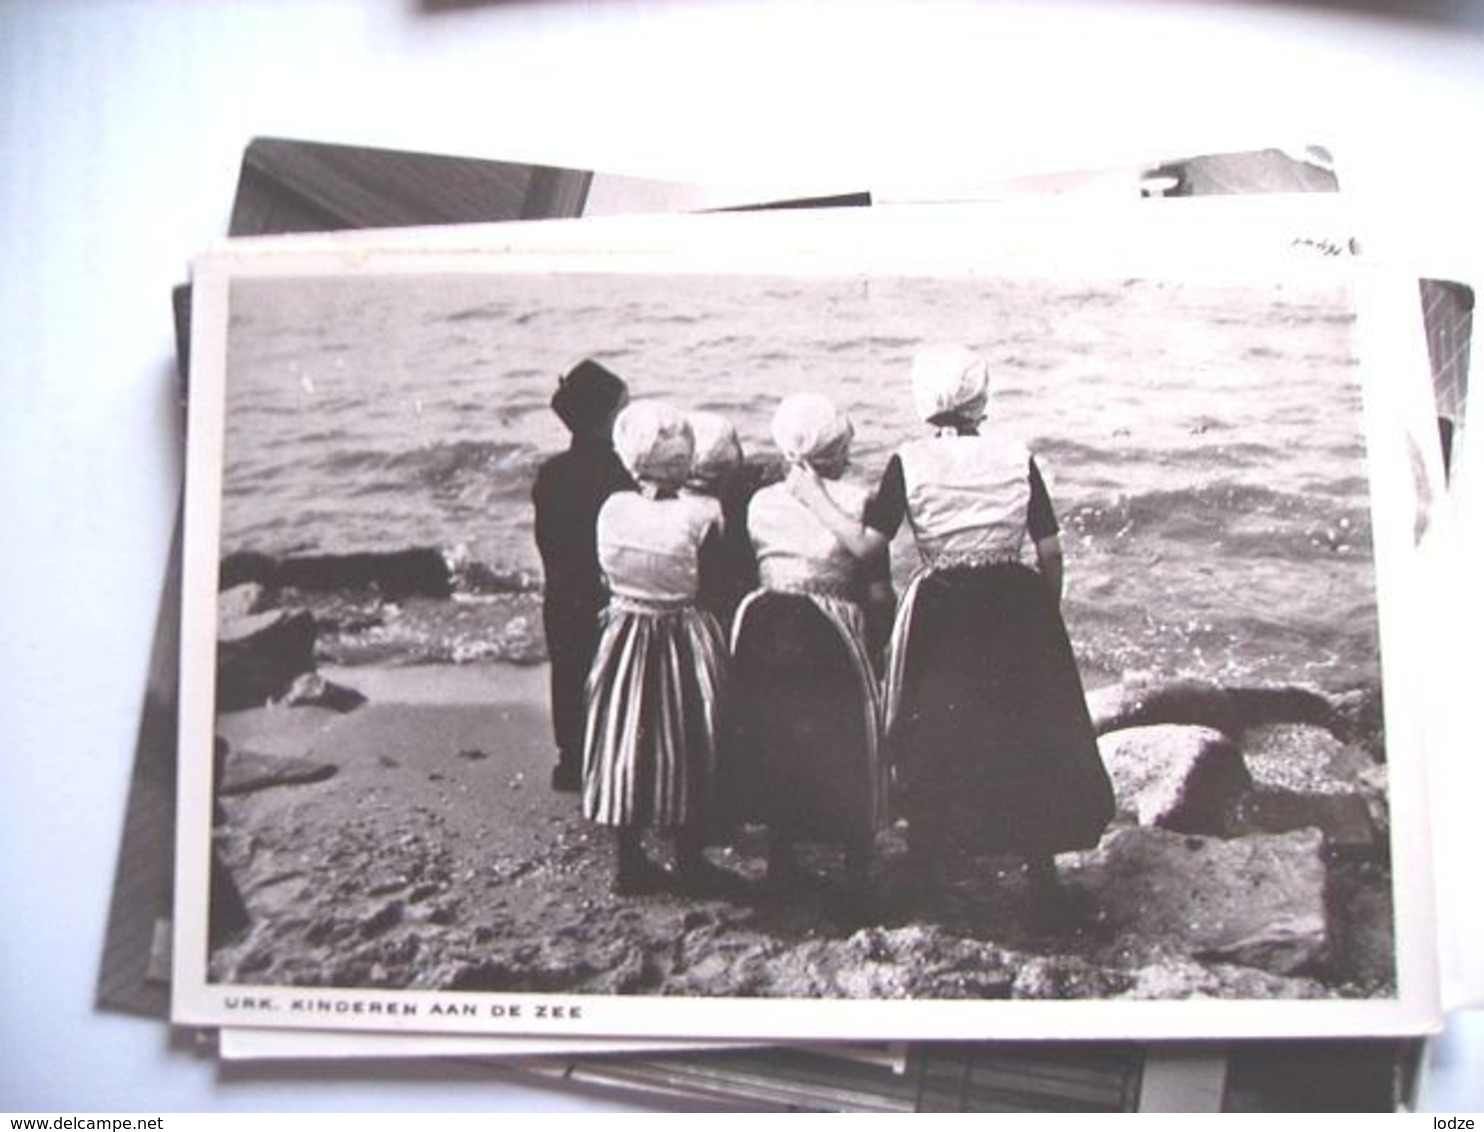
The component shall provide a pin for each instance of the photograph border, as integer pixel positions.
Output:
(1268, 242)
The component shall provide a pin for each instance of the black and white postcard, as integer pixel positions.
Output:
(1023, 678)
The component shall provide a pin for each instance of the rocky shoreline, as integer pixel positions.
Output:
(390, 826)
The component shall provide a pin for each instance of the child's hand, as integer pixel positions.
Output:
(804, 484)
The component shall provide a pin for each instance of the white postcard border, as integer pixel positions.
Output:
(906, 241)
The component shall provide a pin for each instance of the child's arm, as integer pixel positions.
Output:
(805, 485)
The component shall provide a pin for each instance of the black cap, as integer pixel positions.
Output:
(587, 397)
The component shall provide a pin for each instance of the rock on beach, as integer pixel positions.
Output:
(1255, 901)
(259, 655)
(243, 771)
(1183, 778)
(397, 574)
(1199, 703)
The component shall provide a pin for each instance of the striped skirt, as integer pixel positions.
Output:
(653, 699)
(802, 750)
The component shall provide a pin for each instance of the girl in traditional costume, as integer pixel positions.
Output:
(987, 727)
(656, 682)
(803, 750)
(717, 471)
(987, 721)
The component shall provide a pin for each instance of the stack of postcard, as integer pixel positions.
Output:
(1007, 641)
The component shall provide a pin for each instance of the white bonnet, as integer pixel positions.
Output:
(717, 449)
(949, 379)
(653, 439)
(808, 428)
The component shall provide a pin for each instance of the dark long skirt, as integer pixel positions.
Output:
(988, 727)
(802, 753)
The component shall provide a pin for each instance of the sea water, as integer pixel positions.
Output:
(1202, 442)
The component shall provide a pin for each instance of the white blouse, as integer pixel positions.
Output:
(649, 549)
(967, 496)
(795, 551)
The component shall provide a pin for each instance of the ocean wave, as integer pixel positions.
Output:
(1099, 297)
(434, 465)
(1229, 647)
(732, 408)
(1060, 452)
(1307, 313)
(332, 435)
(503, 629)
(1216, 511)
(871, 342)
(1330, 360)
(1261, 352)
(725, 342)
(352, 461)
(484, 312)
(1018, 361)
(526, 373)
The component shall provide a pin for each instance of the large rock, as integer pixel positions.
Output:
(1344, 819)
(1306, 776)
(1066, 976)
(1196, 702)
(244, 567)
(1186, 779)
(259, 655)
(397, 574)
(1175, 978)
(1254, 901)
(241, 601)
(910, 962)
(1287, 756)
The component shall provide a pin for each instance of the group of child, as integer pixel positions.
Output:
(712, 661)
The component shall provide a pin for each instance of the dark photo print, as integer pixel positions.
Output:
(890, 639)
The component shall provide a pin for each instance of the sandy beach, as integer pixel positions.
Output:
(422, 847)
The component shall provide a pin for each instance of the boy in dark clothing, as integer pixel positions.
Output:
(570, 489)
